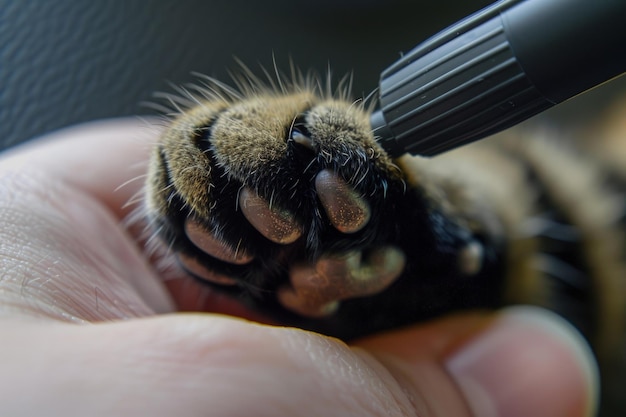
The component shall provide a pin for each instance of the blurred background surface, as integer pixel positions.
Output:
(69, 61)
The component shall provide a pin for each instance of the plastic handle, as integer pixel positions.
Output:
(497, 68)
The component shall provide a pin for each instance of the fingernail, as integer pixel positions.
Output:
(528, 363)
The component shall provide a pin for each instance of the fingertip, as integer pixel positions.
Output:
(105, 158)
(529, 362)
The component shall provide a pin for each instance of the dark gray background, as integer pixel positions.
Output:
(67, 61)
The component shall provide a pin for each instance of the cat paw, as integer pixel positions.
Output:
(288, 203)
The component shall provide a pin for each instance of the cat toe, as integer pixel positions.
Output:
(275, 224)
(206, 241)
(316, 289)
(197, 269)
(346, 209)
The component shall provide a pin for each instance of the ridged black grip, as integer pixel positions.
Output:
(472, 88)
(497, 68)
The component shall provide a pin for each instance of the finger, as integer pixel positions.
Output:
(191, 365)
(523, 362)
(346, 210)
(187, 366)
(105, 159)
(66, 257)
(275, 224)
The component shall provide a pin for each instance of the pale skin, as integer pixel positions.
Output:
(90, 329)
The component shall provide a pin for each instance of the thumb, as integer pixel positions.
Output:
(523, 362)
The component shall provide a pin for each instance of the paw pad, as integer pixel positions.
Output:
(316, 290)
(277, 225)
(346, 210)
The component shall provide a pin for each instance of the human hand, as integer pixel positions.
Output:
(90, 329)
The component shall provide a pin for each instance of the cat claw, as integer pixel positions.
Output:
(317, 289)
